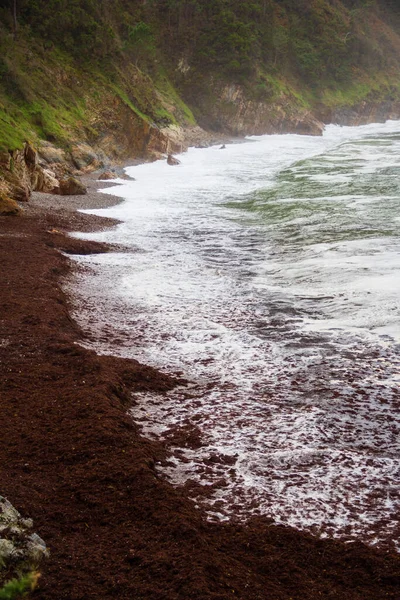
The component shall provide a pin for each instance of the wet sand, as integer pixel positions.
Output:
(72, 459)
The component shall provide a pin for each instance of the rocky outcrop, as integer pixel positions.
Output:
(50, 154)
(233, 112)
(171, 160)
(24, 171)
(44, 180)
(85, 158)
(71, 187)
(362, 113)
(16, 173)
(106, 175)
(7, 205)
(21, 550)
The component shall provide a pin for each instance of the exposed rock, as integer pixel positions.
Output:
(30, 156)
(175, 141)
(83, 156)
(106, 175)
(71, 187)
(19, 190)
(50, 154)
(171, 160)
(21, 550)
(5, 160)
(167, 140)
(307, 125)
(235, 113)
(15, 172)
(362, 113)
(44, 180)
(7, 205)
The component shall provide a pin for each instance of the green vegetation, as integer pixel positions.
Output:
(68, 59)
(17, 588)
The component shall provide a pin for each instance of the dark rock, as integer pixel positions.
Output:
(171, 160)
(31, 157)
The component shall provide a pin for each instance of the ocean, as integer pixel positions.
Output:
(267, 274)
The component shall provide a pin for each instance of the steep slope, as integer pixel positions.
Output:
(114, 73)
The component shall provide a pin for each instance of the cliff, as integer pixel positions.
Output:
(88, 83)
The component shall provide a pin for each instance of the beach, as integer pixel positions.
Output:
(73, 460)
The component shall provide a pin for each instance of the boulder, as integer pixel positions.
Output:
(7, 205)
(71, 187)
(106, 175)
(21, 550)
(20, 187)
(16, 172)
(44, 180)
(308, 125)
(171, 160)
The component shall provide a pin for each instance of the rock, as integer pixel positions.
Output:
(106, 175)
(84, 156)
(21, 172)
(30, 156)
(19, 191)
(5, 160)
(50, 154)
(171, 160)
(8, 206)
(21, 550)
(15, 172)
(308, 125)
(71, 187)
(44, 180)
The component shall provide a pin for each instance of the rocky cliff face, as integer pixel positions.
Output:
(235, 113)
(366, 112)
(50, 169)
(125, 136)
(20, 173)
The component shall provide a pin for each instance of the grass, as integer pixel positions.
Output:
(17, 588)
(122, 95)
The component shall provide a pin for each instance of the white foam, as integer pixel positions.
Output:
(268, 274)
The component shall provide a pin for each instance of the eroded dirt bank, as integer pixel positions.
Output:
(72, 460)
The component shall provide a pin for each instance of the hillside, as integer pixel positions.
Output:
(116, 73)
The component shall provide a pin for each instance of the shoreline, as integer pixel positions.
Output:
(74, 461)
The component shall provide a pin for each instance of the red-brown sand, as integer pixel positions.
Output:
(72, 459)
